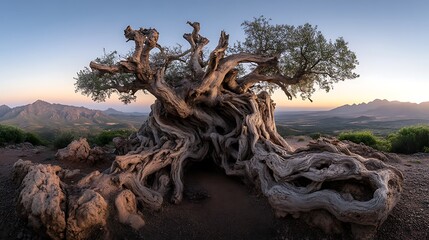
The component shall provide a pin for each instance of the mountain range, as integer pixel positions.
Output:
(50, 119)
(46, 118)
(384, 109)
(380, 116)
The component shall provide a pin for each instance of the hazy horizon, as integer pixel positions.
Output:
(146, 108)
(44, 44)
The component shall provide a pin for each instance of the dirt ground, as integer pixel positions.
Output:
(219, 207)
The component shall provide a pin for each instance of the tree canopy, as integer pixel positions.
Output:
(298, 60)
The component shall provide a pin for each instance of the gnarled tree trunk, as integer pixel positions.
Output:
(213, 115)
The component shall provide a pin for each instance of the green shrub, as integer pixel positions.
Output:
(411, 139)
(14, 135)
(106, 136)
(315, 136)
(383, 145)
(63, 139)
(365, 137)
(34, 139)
(11, 135)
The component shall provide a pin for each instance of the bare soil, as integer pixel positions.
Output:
(219, 207)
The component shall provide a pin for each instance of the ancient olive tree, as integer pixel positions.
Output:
(217, 107)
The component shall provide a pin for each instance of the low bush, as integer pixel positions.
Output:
(315, 136)
(367, 138)
(11, 135)
(63, 140)
(106, 136)
(34, 139)
(411, 139)
(14, 135)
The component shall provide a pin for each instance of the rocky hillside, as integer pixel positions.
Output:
(42, 116)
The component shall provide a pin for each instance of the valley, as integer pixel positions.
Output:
(379, 116)
(382, 117)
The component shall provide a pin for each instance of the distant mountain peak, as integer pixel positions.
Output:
(112, 111)
(4, 109)
(41, 102)
(379, 100)
(41, 114)
(383, 108)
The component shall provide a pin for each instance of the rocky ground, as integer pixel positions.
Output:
(219, 207)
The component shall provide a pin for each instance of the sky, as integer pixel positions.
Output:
(43, 44)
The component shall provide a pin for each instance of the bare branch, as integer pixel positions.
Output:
(146, 78)
(177, 57)
(230, 62)
(104, 68)
(170, 99)
(139, 40)
(195, 36)
(197, 43)
(251, 79)
(218, 53)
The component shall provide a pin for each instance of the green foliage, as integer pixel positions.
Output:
(383, 145)
(315, 136)
(176, 71)
(106, 136)
(11, 135)
(101, 86)
(367, 138)
(303, 52)
(411, 139)
(14, 135)
(63, 139)
(34, 139)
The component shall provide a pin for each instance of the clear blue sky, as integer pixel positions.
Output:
(44, 43)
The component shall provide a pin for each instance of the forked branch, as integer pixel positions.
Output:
(197, 43)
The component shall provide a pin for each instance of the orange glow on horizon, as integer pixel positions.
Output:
(349, 92)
